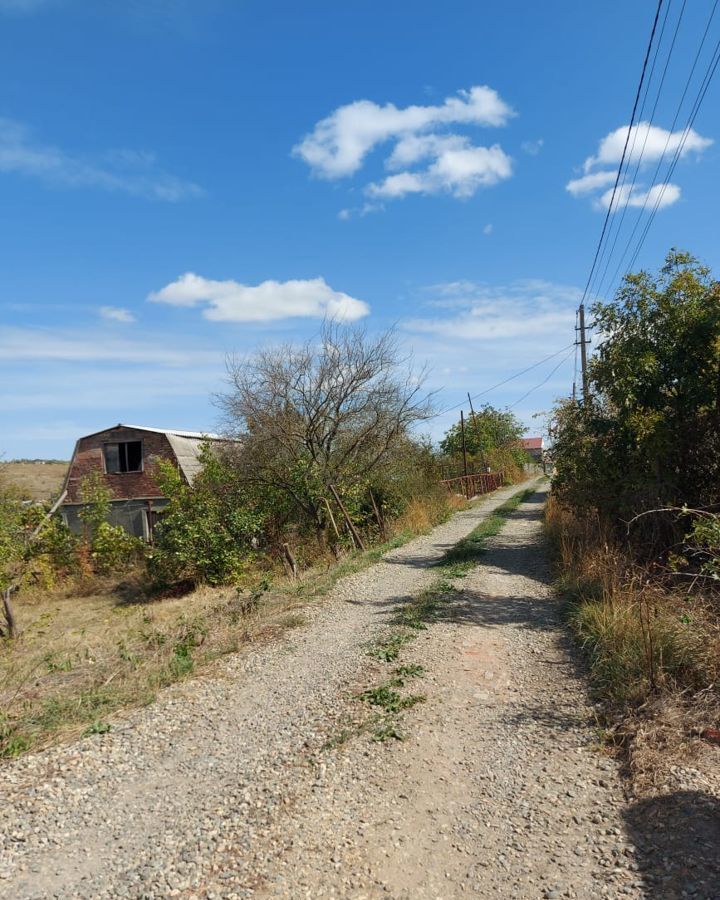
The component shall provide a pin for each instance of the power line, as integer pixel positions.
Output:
(624, 153)
(544, 381)
(619, 266)
(505, 381)
(621, 191)
(705, 84)
(628, 196)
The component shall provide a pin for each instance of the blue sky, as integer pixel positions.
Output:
(180, 180)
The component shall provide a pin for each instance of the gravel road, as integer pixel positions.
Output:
(226, 788)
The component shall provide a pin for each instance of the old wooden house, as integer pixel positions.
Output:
(127, 458)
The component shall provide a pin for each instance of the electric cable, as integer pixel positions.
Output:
(615, 225)
(619, 266)
(709, 74)
(601, 283)
(504, 382)
(624, 153)
(544, 381)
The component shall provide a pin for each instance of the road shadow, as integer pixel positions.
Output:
(677, 842)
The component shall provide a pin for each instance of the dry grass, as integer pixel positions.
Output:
(423, 514)
(653, 648)
(89, 651)
(37, 481)
(90, 648)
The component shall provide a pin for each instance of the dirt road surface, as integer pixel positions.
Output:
(236, 784)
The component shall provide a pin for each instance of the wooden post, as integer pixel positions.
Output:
(583, 354)
(290, 559)
(332, 518)
(380, 520)
(464, 448)
(353, 530)
(10, 625)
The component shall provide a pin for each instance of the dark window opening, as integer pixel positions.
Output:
(123, 457)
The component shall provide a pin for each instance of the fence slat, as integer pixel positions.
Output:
(475, 484)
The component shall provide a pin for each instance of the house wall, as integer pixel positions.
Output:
(128, 514)
(89, 458)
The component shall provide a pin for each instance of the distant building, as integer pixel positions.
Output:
(533, 446)
(127, 457)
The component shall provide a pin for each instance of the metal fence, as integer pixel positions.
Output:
(474, 485)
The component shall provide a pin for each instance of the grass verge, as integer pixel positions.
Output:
(653, 649)
(96, 647)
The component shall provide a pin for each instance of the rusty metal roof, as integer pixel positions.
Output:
(179, 432)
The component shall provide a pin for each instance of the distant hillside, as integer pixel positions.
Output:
(36, 479)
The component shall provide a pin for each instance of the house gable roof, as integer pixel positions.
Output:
(184, 444)
(532, 443)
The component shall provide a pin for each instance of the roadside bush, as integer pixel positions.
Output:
(113, 549)
(636, 483)
(646, 438)
(207, 531)
(105, 549)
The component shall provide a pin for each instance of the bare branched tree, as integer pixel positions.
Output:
(317, 419)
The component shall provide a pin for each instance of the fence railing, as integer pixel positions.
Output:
(475, 484)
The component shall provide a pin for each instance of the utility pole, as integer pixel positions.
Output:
(583, 353)
(474, 421)
(462, 435)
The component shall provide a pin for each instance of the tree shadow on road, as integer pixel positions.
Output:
(677, 841)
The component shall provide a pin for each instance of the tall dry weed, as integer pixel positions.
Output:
(651, 645)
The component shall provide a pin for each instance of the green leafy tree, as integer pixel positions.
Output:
(207, 532)
(648, 435)
(492, 438)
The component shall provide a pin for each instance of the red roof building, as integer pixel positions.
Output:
(533, 446)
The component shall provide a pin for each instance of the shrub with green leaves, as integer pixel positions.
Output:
(206, 532)
(647, 436)
(110, 548)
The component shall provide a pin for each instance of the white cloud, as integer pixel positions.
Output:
(524, 309)
(588, 184)
(46, 346)
(646, 139)
(231, 301)
(459, 169)
(662, 194)
(338, 144)
(646, 144)
(532, 148)
(124, 171)
(488, 229)
(448, 162)
(116, 314)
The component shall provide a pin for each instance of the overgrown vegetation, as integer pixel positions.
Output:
(636, 492)
(492, 439)
(325, 475)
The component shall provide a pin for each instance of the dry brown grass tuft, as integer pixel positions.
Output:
(653, 649)
(82, 656)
